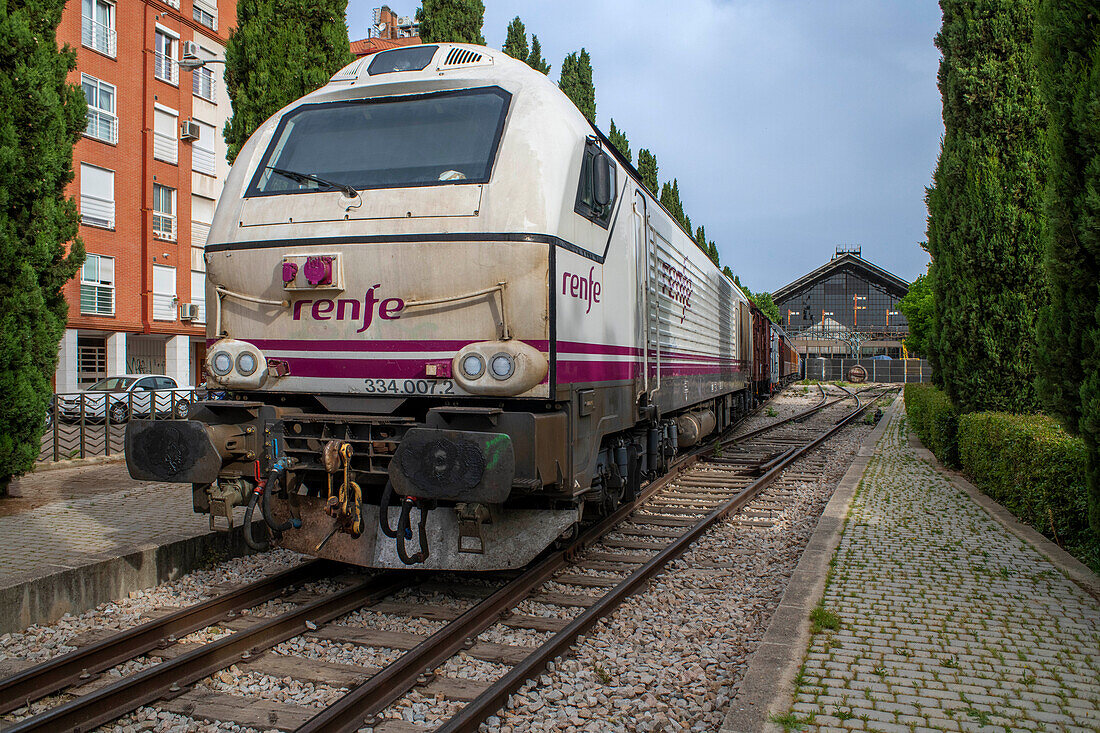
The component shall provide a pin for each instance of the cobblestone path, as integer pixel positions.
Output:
(947, 622)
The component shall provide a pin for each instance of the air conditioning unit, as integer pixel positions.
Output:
(190, 50)
(188, 311)
(189, 130)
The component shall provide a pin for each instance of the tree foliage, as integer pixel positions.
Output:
(451, 21)
(280, 51)
(576, 82)
(618, 139)
(918, 305)
(515, 45)
(535, 60)
(647, 169)
(983, 224)
(1067, 51)
(41, 117)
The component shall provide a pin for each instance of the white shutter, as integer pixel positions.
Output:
(202, 213)
(164, 293)
(198, 294)
(165, 135)
(202, 150)
(97, 196)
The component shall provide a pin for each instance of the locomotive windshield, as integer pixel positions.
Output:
(431, 139)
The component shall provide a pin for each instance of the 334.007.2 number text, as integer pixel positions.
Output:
(410, 386)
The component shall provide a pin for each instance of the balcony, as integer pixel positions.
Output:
(164, 226)
(98, 37)
(164, 68)
(102, 126)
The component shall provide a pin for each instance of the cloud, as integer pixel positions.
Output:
(791, 126)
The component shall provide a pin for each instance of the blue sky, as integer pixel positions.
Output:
(791, 126)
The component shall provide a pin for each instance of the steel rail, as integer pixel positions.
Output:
(821, 405)
(170, 676)
(470, 717)
(50, 676)
(379, 691)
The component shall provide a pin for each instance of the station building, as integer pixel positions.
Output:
(149, 169)
(845, 309)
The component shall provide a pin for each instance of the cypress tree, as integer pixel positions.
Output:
(515, 45)
(41, 117)
(535, 60)
(983, 206)
(1067, 46)
(618, 139)
(451, 21)
(647, 169)
(280, 50)
(576, 82)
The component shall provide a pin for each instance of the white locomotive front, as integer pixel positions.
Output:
(450, 322)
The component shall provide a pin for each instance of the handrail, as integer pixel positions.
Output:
(505, 332)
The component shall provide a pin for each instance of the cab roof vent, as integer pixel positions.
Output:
(461, 56)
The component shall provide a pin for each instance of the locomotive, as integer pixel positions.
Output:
(451, 322)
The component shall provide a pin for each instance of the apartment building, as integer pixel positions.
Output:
(149, 169)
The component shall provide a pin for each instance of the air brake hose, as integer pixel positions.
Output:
(257, 545)
(403, 530)
(278, 472)
(384, 511)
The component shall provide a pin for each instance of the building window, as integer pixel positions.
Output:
(164, 212)
(198, 294)
(202, 83)
(97, 29)
(97, 196)
(97, 286)
(203, 159)
(202, 213)
(165, 58)
(164, 293)
(102, 123)
(205, 13)
(165, 135)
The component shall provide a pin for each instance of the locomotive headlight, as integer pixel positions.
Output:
(503, 365)
(246, 363)
(504, 368)
(473, 366)
(221, 363)
(237, 364)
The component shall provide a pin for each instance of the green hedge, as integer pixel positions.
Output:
(935, 421)
(1032, 467)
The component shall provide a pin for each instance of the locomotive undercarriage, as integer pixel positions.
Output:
(452, 487)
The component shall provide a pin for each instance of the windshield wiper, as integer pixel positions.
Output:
(348, 191)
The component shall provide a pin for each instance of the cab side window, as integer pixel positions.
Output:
(586, 204)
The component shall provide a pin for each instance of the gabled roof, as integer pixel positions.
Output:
(846, 261)
(367, 46)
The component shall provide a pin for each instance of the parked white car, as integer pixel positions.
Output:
(126, 396)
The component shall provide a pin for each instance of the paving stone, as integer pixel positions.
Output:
(948, 621)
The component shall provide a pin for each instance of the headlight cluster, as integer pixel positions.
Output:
(499, 367)
(236, 364)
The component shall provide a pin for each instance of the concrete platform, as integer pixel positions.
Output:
(948, 614)
(76, 537)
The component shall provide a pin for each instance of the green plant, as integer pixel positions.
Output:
(770, 412)
(822, 618)
(1037, 471)
(935, 421)
(842, 713)
(787, 721)
(602, 675)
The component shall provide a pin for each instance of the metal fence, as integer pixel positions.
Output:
(86, 424)
(878, 370)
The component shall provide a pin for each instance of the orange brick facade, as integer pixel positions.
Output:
(129, 28)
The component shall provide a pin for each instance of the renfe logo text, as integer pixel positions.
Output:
(348, 309)
(576, 286)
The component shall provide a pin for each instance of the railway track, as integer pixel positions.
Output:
(657, 527)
